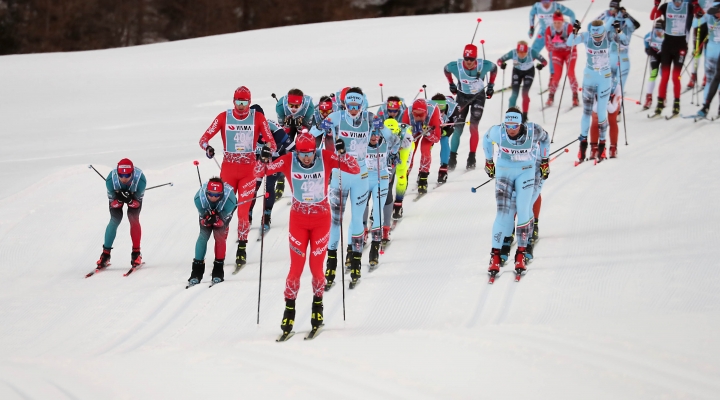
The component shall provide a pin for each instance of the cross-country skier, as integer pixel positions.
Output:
(215, 202)
(240, 130)
(698, 40)
(308, 170)
(353, 127)
(678, 20)
(711, 22)
(628, 25)
(471, 94)
(449, 113)
(339, 99)
(424, 119)
(523, 72)
(515, 172)
(555, 37)
(125, 185)
(544, 10)
(653, 46)
(597, 80)
(294, 113)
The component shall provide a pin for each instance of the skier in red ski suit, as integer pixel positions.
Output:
(308, 171)
(424, 119)
(555, 37)
(241, 128)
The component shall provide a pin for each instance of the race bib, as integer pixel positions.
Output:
(517, 155)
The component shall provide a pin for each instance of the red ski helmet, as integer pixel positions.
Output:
(242, 93)
(470, 51)
(522, 47)
(558, 16)
(420, 107)
(214, 186)
(125, 166)
(305, 142)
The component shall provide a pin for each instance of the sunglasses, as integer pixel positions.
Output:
(242, 102)
(353, 106)
(305, 153)
(512, 125)
(293, 105)
(214, 194)
(469, 59)
(393, 111)
(124, 175)
(419, 114)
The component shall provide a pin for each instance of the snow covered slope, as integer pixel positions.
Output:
(621, 301)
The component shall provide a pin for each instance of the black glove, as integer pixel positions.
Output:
(340, 146)
(123, 196)
(650, 51)
(539, 67)
(503, 65)
(210, 218)
(209, 152)
(287, 120)
(622, 12)
(453, 88)
(616, 25)
(489, 91)
(265, 154)
(576, 27)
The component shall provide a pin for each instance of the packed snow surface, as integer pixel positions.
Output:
(621, 302)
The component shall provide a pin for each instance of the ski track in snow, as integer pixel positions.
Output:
(620, 301)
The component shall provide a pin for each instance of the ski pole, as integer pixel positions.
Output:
(622, 99)
(425, 91)
(552, 140)
(502, 96)
(216, 163)
(587, 11)
(157, 186)
(274, 97)
(566, 151)
(644, 75)
(382, 96)
(474, 189)
(482, 43)
(479, 20)
(196, 163)
(381, 204)
(99, 174)
(542, 102)
(418, 94)
(342, 256)
(556, 151)
(262, 242)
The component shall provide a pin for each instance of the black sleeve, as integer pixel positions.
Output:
(634, 21)
(690, 16)
(703, 33)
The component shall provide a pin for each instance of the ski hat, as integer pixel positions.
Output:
(419, 105)
(513, 117)
(660, 24)
(522, 47)
(125, 166)
(242, 93)
(614, 4)
(393, 105)
(214, 186)
(558, 16)
(304, 142)
(392, 124)
(470, 51)
(325, 105)
(353, 98)
(294, 99)
(597, 31)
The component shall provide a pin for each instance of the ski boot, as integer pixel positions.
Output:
(593, 150)
(240, 255)
(374, 254)
(422, 182)
(524, 117)
(613, 151)
(397, 211)
(279, 188)
(648, 102)
(355, 268)
(288, 316)
(529, 252)
(135, 257)
(385, 235)
(583, 150)
(676, 108)
(330, 267)
(442, 174)
(250, 218)
(348, 255)
(601, 150)
(660, 105)
(495, 262)
(470, 161)
(316, 318)
(198, 269)
(505, 250)
(693, 81)
(104, 258)
(218, 273)
(452, 163)
(576, 100)
(520, 260)
(266, 220)
(703, 113)
(536, 232)
(550, 100)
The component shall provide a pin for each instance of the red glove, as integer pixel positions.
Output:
(116, 204)
(657, 3)
(134, 204)
(219, 223)
(204, 222)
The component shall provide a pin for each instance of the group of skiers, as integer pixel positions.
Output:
(337, 149)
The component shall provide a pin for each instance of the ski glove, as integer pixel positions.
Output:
(489, 91)
(531, 32)
(378, 123)
(209, 219)
(116, 204)
(453, 88)
(265, 154)
(394, 159)
(616, 25)
(340, 146)
(219, 223)
(326, 125)
(544, 168)
(577, 26)
(209, 152)
(123, 196)
(134, 204)
(502, 65)
(657, 3)
(539, 67)
(490, 168)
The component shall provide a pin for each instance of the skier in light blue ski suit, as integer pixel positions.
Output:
(712, 56)
(628, 25)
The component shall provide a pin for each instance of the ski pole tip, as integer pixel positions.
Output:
(567, 150)
(171, 184)
(196, 162)
(473, 190)
(482, 41)
(380, 83)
